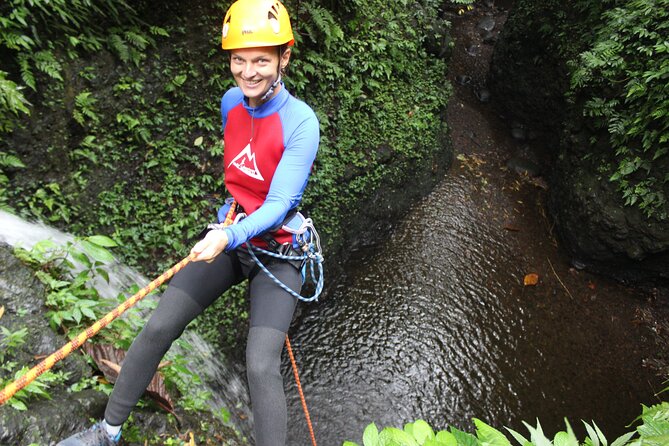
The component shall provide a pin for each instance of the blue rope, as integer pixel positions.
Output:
(311, 257)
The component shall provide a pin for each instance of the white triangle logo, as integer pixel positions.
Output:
(246, 162)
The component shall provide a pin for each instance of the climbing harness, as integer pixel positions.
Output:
(305, 248)
(305, 241)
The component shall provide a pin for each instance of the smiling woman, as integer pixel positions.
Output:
(271, 139)
(257, 71)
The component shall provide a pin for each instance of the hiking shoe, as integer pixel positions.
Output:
(96, 435)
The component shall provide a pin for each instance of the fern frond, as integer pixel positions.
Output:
(158, 31)
(9, 160)
(136, 40)
(120, 47)
(26, 70)
(16, 41)
(11, 98)
(46, 62)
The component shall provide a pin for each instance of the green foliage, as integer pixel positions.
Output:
(74, 303)
(67, 272)
(38, 36)
(10, 340)
(654, 431)
(624, 75)
(366, 66)
(12, 103)
(181, 377)
(38, 388)
(7, 161)
(84, 110)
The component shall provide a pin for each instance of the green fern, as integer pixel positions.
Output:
(12, 103)
(322, 26)
(84, 109)
(46, 62)
(27, 75)
(119, 46)
(136, 39)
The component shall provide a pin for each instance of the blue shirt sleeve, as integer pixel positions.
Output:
(301, 137)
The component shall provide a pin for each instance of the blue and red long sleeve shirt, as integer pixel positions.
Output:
(268, 155)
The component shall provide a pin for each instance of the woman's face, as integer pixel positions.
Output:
(256, 69)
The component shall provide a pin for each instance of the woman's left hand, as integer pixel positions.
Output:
(210, 246)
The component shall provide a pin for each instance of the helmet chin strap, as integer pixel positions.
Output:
(270, 91)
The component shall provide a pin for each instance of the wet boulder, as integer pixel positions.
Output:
(602, 234)
(22, 297)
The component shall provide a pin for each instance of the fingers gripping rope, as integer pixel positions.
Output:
(92, 330)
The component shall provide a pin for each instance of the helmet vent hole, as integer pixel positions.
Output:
(274, 21)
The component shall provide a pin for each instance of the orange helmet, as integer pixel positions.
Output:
(256, 23)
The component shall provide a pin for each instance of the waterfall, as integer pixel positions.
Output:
(226, 386)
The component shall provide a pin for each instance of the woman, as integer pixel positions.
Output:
(271, 140)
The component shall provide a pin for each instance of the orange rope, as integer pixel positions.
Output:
(92, 330)
(299, 389)
(88, 333)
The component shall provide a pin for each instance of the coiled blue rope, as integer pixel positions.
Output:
(312, 257)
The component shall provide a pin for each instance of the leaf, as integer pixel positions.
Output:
(489, 436)
(81, 258)
(2, 311)
(422, 431)
(198, 141)
(349, 443)
(371, 435)
(531, 279)
(519, 438)
(537, 436)
(17, 404)
(109, 360)
(594, 437)
(102, 240)
(464, 438)
(446, 438)
(97, 252)
(564, 439)
(623, 439)
(392, 434)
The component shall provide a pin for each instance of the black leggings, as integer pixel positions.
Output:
(190, 292)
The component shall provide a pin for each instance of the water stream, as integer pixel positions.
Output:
(435, 323)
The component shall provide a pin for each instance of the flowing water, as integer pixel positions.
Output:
(435, 323)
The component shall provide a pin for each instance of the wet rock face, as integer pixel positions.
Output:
(528, 81)
(526, 77)
(602, 234)
(22, 296)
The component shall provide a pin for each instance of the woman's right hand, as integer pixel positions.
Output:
(210, 246)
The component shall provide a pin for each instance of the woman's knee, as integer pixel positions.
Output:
(159, 331)
(263, 352)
